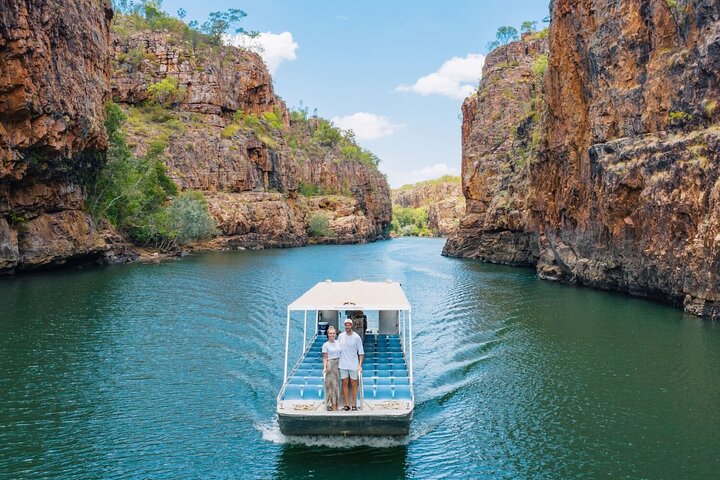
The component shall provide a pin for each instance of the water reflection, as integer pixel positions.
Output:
(172, 370)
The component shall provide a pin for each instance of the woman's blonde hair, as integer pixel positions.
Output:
(330, 328)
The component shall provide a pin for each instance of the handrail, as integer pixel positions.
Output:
(362, 389)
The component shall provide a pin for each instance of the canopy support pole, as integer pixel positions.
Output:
(304, 331)
(410, 343)
(287, 345)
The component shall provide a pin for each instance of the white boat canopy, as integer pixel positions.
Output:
(355, 295)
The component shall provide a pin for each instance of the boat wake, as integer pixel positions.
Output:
(271, 433)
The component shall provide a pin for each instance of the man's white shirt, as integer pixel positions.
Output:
(350, 347)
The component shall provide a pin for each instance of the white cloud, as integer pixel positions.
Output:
(456, 78)
(367, 126)
(274, 48)
(432, 172)
(398, 175)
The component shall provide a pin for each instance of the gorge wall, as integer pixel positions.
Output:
(442, 200)
(63, 62)
(53, 89)
(250, 177)
(500, 139)
(623, 192)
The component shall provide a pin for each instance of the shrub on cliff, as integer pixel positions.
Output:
(319, 226)
(317, 137)
(187, 219)
(266, 127)
(166, 92)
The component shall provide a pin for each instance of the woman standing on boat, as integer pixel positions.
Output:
(331, 359)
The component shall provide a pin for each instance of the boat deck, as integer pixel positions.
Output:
(385, 374)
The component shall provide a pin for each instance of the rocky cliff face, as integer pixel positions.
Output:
(250, 177)
(623, 189)
(442, 199)
(625, 194)
(500, 138)
(53, 89)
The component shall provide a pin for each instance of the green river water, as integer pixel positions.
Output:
(172, 370)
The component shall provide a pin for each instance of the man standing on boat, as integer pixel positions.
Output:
(351, 358)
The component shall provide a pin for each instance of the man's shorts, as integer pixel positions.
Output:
(348, 373)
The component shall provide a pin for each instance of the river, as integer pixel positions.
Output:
(171, 370)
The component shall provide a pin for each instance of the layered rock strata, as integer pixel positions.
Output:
(500, 139)
(625, 195)
(53, 88)
(623, 190)
(442, 199)
(240, 170)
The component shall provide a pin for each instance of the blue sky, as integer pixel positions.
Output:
(360, 63)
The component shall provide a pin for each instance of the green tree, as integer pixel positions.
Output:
(181, 13)
(528, 26)
(504, 35)
(187, 219)
(130, 191)
(408, 221)
(219, 23)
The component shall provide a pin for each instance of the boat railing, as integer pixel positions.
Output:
(362, 390)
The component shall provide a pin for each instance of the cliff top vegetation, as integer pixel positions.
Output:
(434, 181)
(131, 16)
(315, 136)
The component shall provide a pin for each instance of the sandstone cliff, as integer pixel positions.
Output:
(622, 192)
(218, 141)
(626, 193)
(58, 60)
(53, 88)
(441, 199)
(500, 139)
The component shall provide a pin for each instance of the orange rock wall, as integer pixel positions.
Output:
(54, 82)
(626, 196)
(241, 173)
(499, 142)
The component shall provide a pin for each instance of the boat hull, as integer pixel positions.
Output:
(345, 424)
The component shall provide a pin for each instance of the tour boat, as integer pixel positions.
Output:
(382, 316)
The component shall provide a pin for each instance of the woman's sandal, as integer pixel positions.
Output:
(354, 408)
(346, 408)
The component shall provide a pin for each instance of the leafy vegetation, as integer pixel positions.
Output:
(166, 92)
(132, 15)
(319, 226)
(434, 181)
(528, 26)
(504, 35)
(314, 136)
(267, 127)
(540, 65)
(186, 219)
(136, 196)
(219, 23)
(410, 222)
(679, 119)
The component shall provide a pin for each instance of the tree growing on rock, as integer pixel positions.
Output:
(504, 36)
(528, 26)
(219, 23)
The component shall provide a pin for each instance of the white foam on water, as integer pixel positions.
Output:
(271, 433)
